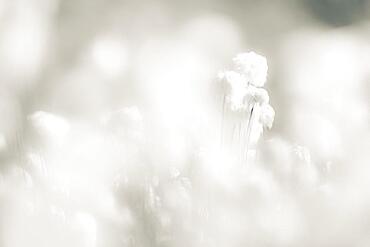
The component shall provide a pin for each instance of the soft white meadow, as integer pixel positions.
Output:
(156, 129)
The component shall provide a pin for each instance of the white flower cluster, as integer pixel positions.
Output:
(244, 84)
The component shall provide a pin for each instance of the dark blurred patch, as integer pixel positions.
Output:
(338, 12)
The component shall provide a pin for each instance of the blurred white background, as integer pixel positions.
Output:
(110, 124)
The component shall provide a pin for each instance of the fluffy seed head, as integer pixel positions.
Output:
(253, 66)
(236, 89)
(267, 115)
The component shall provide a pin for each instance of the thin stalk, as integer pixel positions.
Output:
(249, 129)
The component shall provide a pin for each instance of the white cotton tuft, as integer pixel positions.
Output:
(267, 115)
(51, 126)
(257, 95)
(236, 89)
(253, 66)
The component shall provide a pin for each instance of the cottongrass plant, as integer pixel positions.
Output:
(246, 111)
(120, 180)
